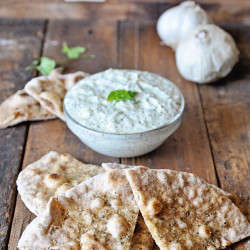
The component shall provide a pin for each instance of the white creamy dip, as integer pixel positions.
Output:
(159, 102)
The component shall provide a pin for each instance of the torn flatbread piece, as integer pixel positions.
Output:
(142, 239)
(22, 107)
(183, 211)
(50, 90)
(100, 213)
(51, 175)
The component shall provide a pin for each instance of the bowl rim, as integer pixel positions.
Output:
(174, 119)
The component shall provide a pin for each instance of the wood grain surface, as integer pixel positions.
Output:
(20, 43)
(226, 10)
(213, 140)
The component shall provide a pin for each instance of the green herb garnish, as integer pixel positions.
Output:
(45, 65)
(74, 52)
(122, 95)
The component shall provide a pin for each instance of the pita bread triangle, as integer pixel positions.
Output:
(21, 107)
(100, 213)
(182, 211)
(53, 174)
(50, 90)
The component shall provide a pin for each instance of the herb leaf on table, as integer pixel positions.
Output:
(45, 65)
(74, 52)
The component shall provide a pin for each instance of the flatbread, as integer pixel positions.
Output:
(142, 239)
(50, 90)
(111, 166)
(68, 80)
(183, 211)
(52, 175)
(100, 213)
(21, 107)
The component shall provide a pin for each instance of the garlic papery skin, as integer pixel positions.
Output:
(178, 21)
(206, 54)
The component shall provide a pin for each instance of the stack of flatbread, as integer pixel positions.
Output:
(41, 99)
(80, 206)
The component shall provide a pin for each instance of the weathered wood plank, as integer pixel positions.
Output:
(20, 43)
(100, 39)
(188, 149)
(58, 9)
(226, 107)
(128, 44)
(237, 10)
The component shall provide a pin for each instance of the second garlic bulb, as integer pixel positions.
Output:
(176, 22)
(206, 54)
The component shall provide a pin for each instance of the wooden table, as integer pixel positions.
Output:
(212, 141)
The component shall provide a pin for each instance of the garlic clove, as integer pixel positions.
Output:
(206, 54)
(178, 21)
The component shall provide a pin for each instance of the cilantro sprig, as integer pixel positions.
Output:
(45, 64)
(122, 95)
(74, 52)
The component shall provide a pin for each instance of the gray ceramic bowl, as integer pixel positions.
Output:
(124, 145)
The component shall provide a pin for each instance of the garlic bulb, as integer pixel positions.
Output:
(178, 21)
(206, 54)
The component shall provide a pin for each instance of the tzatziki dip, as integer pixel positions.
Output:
(156, 102)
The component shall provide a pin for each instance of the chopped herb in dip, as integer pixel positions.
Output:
(122, 95)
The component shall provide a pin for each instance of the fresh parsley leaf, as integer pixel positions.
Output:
(74, 52)
(122, 95)
(45, 64)
(45, 67)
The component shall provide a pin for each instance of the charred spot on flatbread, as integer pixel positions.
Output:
(48, 104)
(23, 94)
(55, 176)
(18, 114)
(115, 177)
(154, 206)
